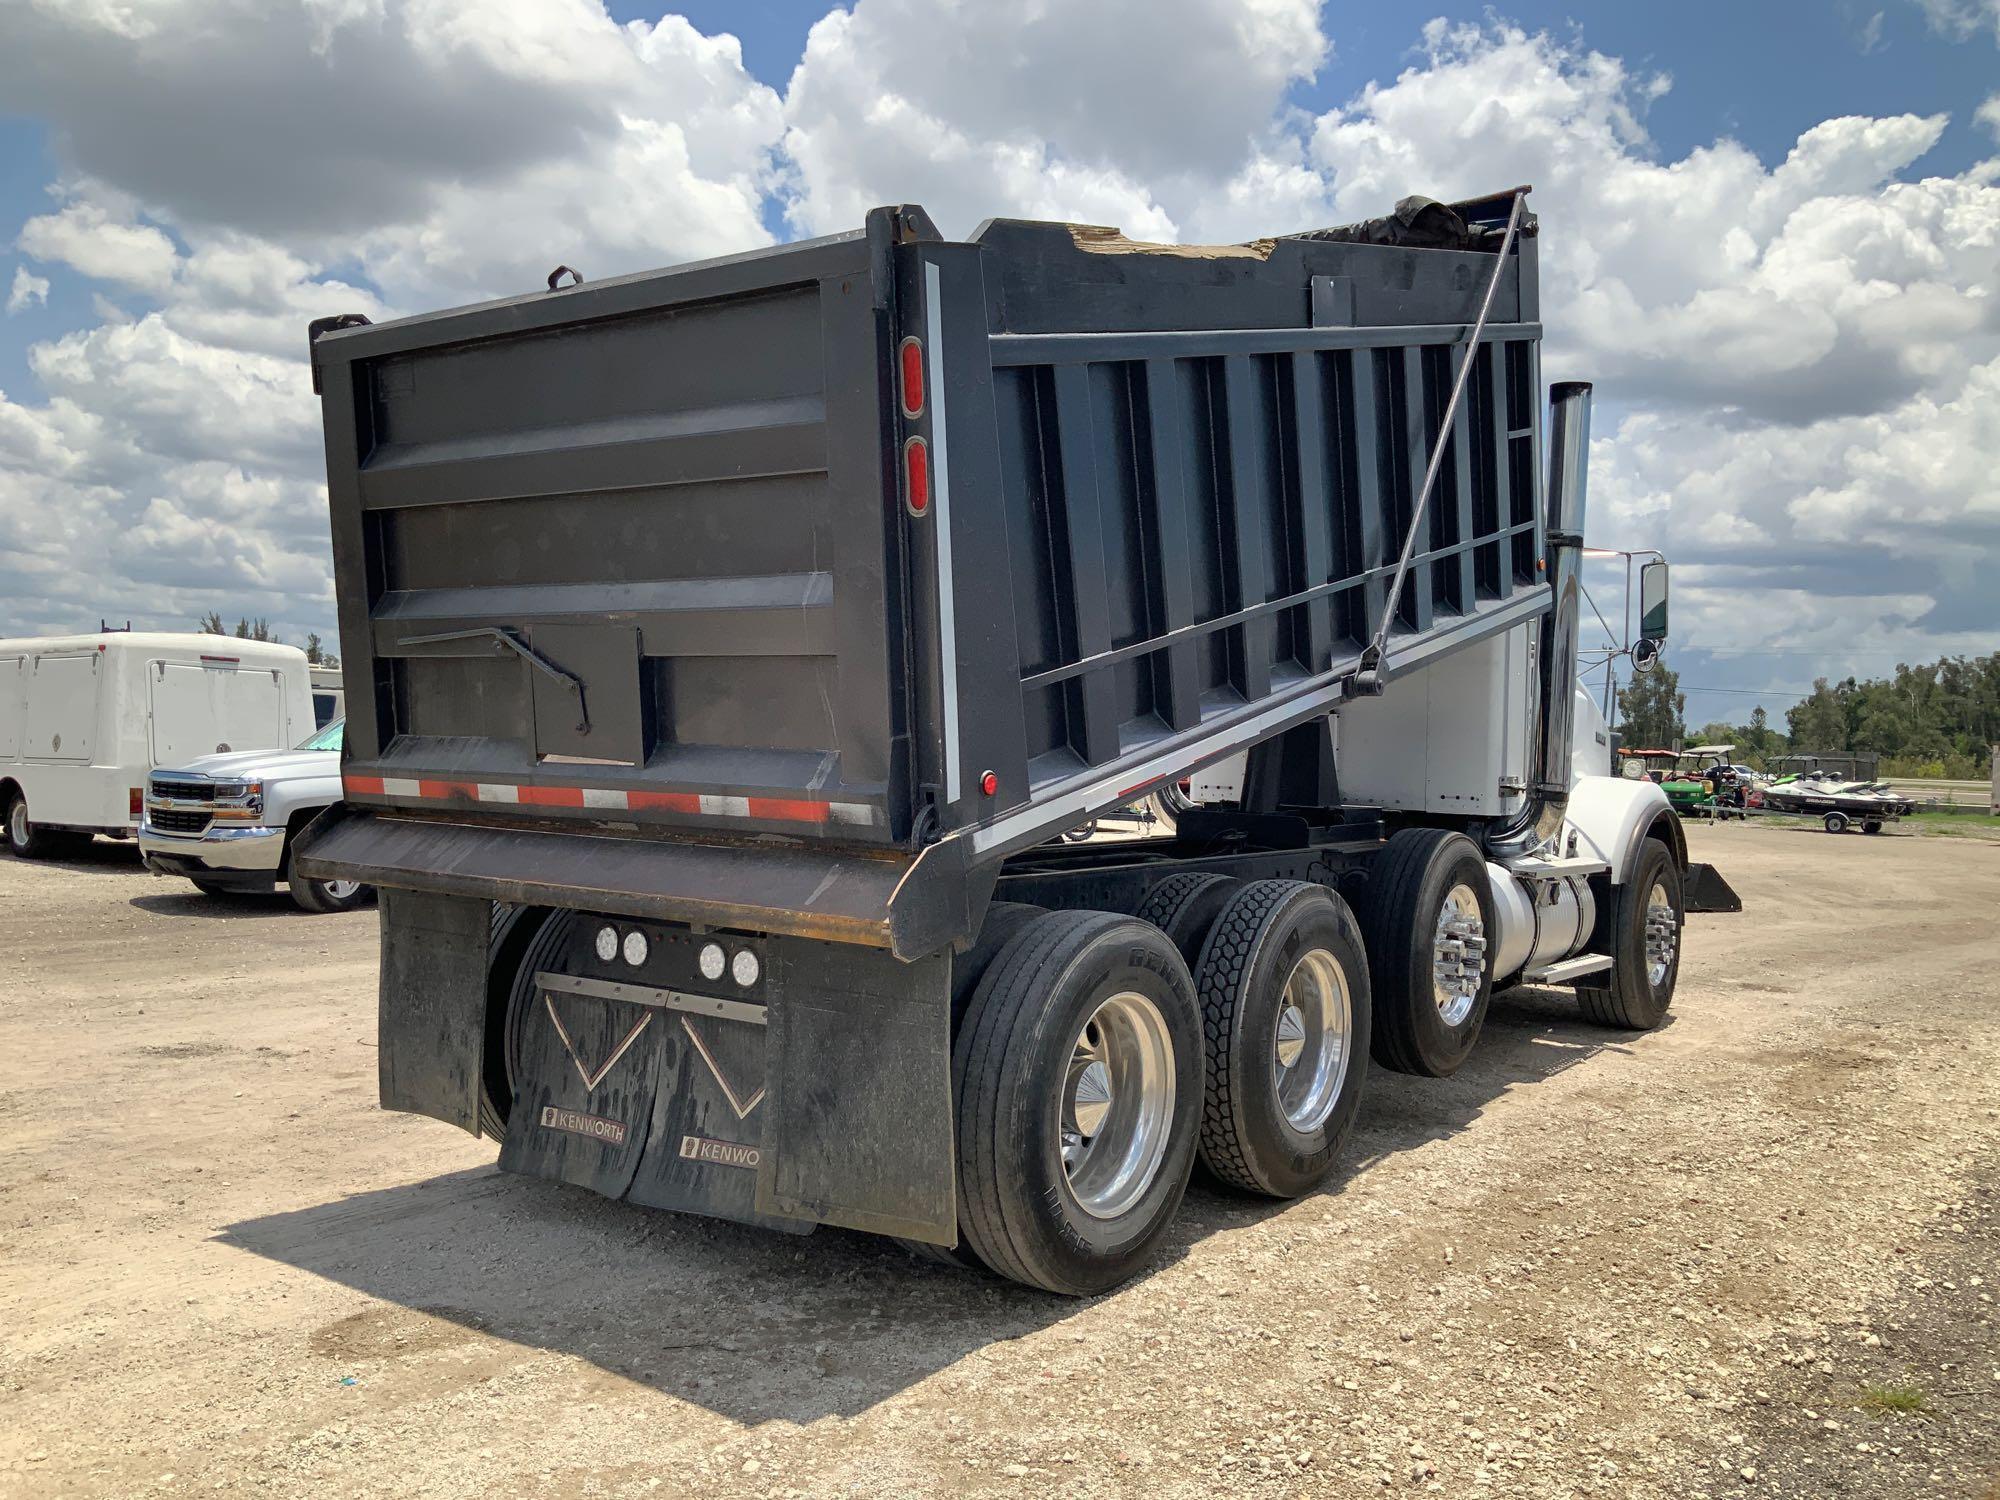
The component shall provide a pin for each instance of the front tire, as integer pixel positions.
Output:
(1836, 822)
(1283, 982)
(1426, 918)
(1078, 1077)
(322, 896)
(1641, 928)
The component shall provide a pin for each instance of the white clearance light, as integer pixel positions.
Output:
(607, 943)
(636, 948)
(743, 968)
(713, 961)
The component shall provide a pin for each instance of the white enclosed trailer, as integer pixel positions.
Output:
(85, 718)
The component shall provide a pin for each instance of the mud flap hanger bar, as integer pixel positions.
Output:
(512, 642)
(1368, 678)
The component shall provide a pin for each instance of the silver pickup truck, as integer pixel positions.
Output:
(227, 822)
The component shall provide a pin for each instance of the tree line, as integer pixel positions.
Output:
(259, 629)
(1938, 719)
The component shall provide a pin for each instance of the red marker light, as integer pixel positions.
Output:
(917, 476)
(137, 804)
(989, 783)
(912, 355)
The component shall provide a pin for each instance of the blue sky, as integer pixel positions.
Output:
(1755, 381)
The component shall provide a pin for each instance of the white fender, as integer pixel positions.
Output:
(1610, 816)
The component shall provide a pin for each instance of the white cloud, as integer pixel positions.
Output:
(28, 290)
(103, 243)
(1962, 19)
(1122, 112)
(1798, 363)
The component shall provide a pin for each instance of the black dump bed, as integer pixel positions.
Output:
(726, 592)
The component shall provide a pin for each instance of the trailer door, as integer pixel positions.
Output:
(214, 708)
(62, 707)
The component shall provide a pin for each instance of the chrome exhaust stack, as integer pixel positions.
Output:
(1569, 469)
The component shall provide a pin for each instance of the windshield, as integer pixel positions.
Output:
(327, 739)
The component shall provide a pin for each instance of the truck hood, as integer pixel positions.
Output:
(270, 765)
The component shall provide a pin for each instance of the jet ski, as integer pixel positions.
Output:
(1836, 802)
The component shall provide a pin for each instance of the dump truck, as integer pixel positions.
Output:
(728, 648)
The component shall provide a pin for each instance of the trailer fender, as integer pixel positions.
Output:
(1612, 817)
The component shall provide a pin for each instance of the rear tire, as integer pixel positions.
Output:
(1184, 906)
(1645, 950)
(1003, 919)
(324, 896)
(1283, 982)
(24, 839)
(1429, 969)
(1836, 822)
(1872, 825)
(1078, 1073)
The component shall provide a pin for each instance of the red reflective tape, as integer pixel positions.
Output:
(681, 802)
(552, 796)
(368, 785)
(444, 791)
(786, 811)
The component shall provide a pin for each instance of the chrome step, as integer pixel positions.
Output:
(1528, 867)
(1567, 969)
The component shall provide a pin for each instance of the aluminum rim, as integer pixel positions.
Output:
(17, 823)
(342, 890)
(1458, 955)
(1663, 934)
(1315, 1027)
(1117, 1105)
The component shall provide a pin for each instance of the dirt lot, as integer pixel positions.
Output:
(1711, 1260)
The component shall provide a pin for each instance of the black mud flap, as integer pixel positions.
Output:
(818, 1093)
(1704, 889)
(432, 1025)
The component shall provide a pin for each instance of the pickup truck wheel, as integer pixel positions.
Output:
(1184, 907)
(24, 839)
(328, 895)
(1426, 920)
(1078, 1075)
(1642, 927)
(1283, 981)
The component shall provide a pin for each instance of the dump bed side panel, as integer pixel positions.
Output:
(621, 553)
(1157, 541)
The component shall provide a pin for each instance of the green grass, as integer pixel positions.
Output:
(1903, 1400)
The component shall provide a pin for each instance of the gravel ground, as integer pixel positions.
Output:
(1751, 1253)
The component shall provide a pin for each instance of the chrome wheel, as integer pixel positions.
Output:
(1663, 934)
(1117, 1105)
(1309, 1061)
(342, 890)
(17, 823)
(1458, 955)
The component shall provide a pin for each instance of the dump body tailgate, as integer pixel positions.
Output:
(620, 553)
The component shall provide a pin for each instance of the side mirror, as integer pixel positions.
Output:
(1653, 601)
(1645, 654)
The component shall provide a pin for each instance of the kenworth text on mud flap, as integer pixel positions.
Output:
(728, 648)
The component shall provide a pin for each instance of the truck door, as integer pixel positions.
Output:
(62, 707)
(13, 703)
(213, 708)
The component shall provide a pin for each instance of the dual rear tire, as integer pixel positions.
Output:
(1092, 1067)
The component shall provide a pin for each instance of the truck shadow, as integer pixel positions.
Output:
(189, 902)
(759, 1326)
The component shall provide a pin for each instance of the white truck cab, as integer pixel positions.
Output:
(84, 718)
(226, 822)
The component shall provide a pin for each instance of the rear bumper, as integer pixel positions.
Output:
(251, 851)
(911, 904)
